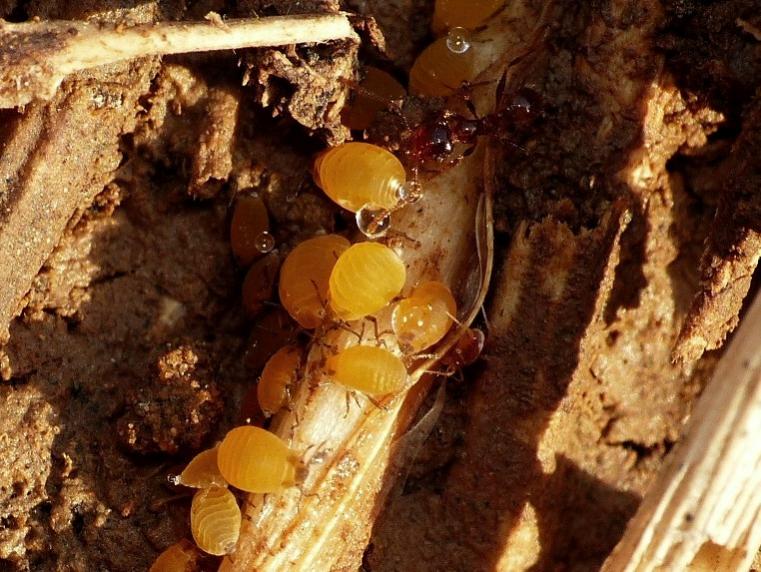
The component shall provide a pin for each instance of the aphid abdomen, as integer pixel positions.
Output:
(249, 222)
(378, 90)
(215, 520)
(467, 14)
(179, 557)
(356, 174)
(425, 317)
(365, 279)
(368, 369)
(202, 471)
(277, 376)
(304, 278)
(255, 460)
(438, 71)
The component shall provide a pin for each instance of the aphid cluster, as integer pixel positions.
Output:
(327, 283)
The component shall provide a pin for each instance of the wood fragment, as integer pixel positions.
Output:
(36, 56)
(704, 510)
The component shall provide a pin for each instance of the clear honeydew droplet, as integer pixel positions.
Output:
(458, 40)
(410, 192)
(373, 221)
(265, 242)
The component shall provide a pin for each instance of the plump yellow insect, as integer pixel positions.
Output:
(356, 174)
(425, 317)
(377, 87)
(202, 471)
(179, 557)
(278, 376)
(257, 461)
(215, 520)
(439, 71)
(304, 278)
(249, 225)
(368, 369)
(467, 14)
(365, 279)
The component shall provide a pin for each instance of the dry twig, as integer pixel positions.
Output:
(36, 56)
(704, 510)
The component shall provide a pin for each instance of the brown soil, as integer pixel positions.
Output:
(628, 226)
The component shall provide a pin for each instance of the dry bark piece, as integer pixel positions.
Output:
(706, 502)
(36, 56)
(732, 250)
(56, 158)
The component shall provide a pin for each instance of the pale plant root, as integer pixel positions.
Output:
(326, 524)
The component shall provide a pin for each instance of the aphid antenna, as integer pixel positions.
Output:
(487, 325)
(453, 318)
(160, 503)
(393, 104)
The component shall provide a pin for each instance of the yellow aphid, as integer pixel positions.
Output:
(425, 317)
(179, 557)
(304, 278)
(357, 174)
(215, 520)
(368, 369)
(247, 227)
(463, 13)
(278, 376)
(439, 71)
(377, 87)
(256, 461)
(202, 471)
(365, 279)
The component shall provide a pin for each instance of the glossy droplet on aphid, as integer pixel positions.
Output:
(410, 192)
(278, 376)
(373, 221)
(365, 279)
(256, 461)
(179, 557)
(215, 520)
(355, 174)
(425, 317)
(304, 278)
(371, 370)
(378, 88)
(438, 71)
(467, 14)
(458, 40)
(249, 221)
(265, 242)
(202, 471)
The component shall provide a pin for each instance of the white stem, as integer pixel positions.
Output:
(703, 511)
(36, 56)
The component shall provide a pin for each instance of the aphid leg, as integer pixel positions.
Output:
(379, 334)
(344, 326)
(356, 399)
(348, 404)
